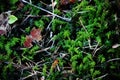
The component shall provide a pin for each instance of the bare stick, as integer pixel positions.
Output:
(115, 59)
(63, 18)
(101, 76)
(31, 75)
(97, 49)
(42, 50)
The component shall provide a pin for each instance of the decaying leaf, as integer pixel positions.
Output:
(36, 34)
(55, 63)
(4, 25)
(28, 42)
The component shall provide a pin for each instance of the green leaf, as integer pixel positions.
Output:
(12, 19)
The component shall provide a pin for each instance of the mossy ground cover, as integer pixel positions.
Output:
(59, 40)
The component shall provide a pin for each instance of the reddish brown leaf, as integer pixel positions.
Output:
(36, 34)
(28, 42)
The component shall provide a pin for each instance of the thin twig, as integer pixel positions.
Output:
(44, 3)
(29, 16)
(48, 27)
(33, 74)
(63, 18)
(115, 59)
(43, 50)
(94, 52)
(53, 15)
(101, 76)
(89, 43)
(96, 47)
(83, 25)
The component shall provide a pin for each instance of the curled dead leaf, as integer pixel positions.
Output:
(55, 63)
(36, 34)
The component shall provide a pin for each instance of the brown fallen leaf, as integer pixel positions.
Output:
(36, 34)
(54, 64)
(28, 42)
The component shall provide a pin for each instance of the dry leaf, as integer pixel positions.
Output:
(28, 42)
(4, 25)
(54, 64)
(36, 34)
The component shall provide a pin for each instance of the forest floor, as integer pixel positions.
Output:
(59, 40)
